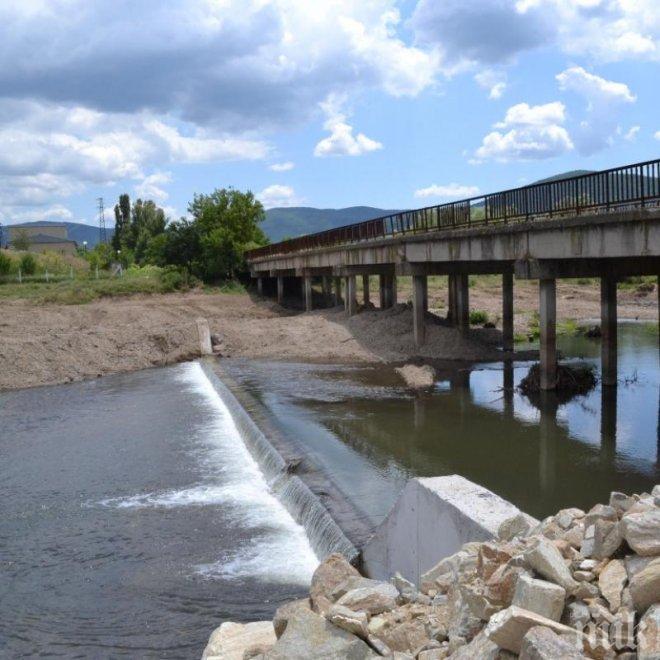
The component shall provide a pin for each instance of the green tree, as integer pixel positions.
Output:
(122, 221)
(5, 263)
(227, 223)
(21, 240)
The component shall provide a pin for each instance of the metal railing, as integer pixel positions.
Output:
(634, 186)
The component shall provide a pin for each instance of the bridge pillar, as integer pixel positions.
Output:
(338, 298)
(350, 303)
(451, 299)
(419, 294)
(608, 345)
(365, 290)
(307, 292)
(387, 291)
(548, 323)
(507, 311)
(260, 286)
(280, 289)
(463, 302)
(327, 290)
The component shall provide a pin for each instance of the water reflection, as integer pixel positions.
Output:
(542, 457)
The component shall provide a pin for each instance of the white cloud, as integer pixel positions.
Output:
(448, 191)
(657, 135)
(54, 212)
(531, 133)
(493, 81)
(278, 195)
(631, 133)
(151, 187)
(604, 98)
(341, 141)
(282, 167)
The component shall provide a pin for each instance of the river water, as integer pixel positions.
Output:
(133, 520)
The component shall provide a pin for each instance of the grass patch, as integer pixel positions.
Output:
(478, 317)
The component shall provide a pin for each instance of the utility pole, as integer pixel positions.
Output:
(102, 235)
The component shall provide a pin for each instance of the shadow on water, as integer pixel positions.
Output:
(371, 436)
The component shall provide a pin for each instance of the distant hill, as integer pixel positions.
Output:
(564, 175)
(77, 231)
(294, 221)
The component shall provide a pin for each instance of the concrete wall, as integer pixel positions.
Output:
(431, 520)
(57, 231)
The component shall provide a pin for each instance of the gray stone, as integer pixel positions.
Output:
(373, 599)
(349, 620)
(566, 517)
(546, 560)
(642, 532)
(539, 596)
(417, 377)
(648, 634)
(635, 564)
(461, 622)
(231, 640)
(309, 635)
(508, 627)
(353, 582)
(600, 512)
(576, 615)
(645, 586)
(611, 581)
(284, 612)
(541, 643)
(329, 574)
(480, 648)
(607, 538)
(621, 502)
(517, 525)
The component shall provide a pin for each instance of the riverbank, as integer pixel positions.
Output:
(54, 343)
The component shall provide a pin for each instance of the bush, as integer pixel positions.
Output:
(28, 264)
(5, 264)
(173, 278)
(478, 317)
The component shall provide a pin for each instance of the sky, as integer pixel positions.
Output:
(330, 103)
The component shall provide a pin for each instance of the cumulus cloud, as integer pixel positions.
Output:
(448, 191)
(278, 195)
(54, 212)
(527, 133)
(493, 81)
(151, 187)
(282, 167)
(657, 135)
(341, 141)
(604, 100)
(631, 133)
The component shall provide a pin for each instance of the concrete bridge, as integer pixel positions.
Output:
(604, 224)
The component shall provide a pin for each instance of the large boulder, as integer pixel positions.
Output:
(327, 577)
(285, 612)
(309, 635)
(373, 598)
(541, 643)
(611, 581)
(547, 561)
(544, 598)
(645, 586)
(648, 635)
(231, 640)
(642, 532)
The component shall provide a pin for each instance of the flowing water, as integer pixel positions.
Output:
(133, 520)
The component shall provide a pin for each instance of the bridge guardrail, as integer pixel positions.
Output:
(634, 186)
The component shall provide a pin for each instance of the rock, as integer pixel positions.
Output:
(635, 564)
(379, 645)
(256, 651)
(518, 525)
(417, 377)
(406, 636)
(491, 556)
(349, 620)
(576, 615)
(607, 538)
(583, 576)
(309, 635)
(566, 517)
(480, 648)
(502, 584)
(539, 596)
(546, 560)
(462, 622)
(433, 654)
(328, 575)
(642, 532)
(600, 512)
(407, 590)
(373, 599)
(621, 502)
(543, 644)
(353, 582)
(284, 612)
(611, 581)
(508, 627)
(231, 640)
(648, 634)
(479, 605)
(586, 590)
(645, 586)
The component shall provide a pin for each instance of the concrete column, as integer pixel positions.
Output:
(608, 419)
(307, 289)
(280, 289)
(338, 298)
(548, 328)
(451, 299)
(260, 286)
(419, 327)
(608, 349)
(393, 297)
(351, 295)
(463, 302)
(507, 311)
(365, 289)
(508, 388)
(425, 298)
(327, 290)
(382, 291)
(548, 443)
(387, 291)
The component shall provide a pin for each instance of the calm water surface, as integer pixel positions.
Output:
(133, 521)
(371, 436)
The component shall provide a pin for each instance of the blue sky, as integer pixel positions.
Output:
(332, 103)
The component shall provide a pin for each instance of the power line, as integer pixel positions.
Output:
(102, 235)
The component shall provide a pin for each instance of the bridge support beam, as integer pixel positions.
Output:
(451, 299)
(327, 290)
(280, 289)
(260, 286)
(365, 290)
(350, 303)
(507, 311)
(307, 292)
(463, 302)
(608, 346)
(338, 299)
(387, 290)
(548, 328)
(419, 295)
